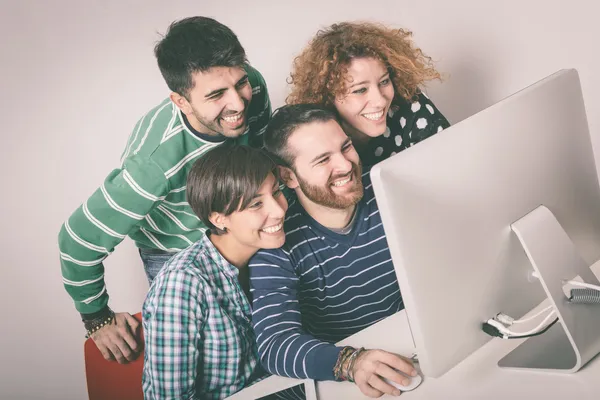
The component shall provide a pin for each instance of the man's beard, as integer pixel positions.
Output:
(326, 197)
(215, 127)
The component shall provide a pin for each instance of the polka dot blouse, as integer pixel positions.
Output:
(407, 124)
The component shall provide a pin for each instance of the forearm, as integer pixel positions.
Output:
(93, 231)
(299, 355)
(284, 347)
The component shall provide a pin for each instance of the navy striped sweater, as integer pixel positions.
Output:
(320, 288)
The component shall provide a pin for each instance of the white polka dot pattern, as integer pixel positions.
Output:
(408, 123)
(421, 123)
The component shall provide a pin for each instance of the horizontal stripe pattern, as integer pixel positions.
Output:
(144, 198)
(320, 288)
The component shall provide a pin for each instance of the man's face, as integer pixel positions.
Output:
(218, 102)
(327, 168)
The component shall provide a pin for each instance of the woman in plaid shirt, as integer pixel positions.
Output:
(197, 317)
(371, 75)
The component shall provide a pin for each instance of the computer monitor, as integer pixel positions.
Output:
(451, 207)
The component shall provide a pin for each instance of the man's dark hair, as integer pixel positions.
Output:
(226, 179)
(284, 121)
(196, 44)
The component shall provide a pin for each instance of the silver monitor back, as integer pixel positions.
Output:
(447, 205)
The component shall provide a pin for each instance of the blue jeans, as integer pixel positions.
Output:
(153, 260)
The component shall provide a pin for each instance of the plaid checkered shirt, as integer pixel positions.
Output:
(197, 323)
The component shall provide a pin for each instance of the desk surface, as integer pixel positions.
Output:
(477, 377)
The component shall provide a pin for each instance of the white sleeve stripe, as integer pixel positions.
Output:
(298, 353)
(138, 189)
(274, 256)
(84, 243)
(305, 354)
(156, 228)
(174, 219)
(90, 299)
(81, 283)
(267, 340)
(93, 263)
(181, 189)
(117, 207)
(277, 324)
(187, 158)
(266, 265)
(274, 316)
(154, 240)
(295, 335)
(273, 305)
(181, 203)
(267, 295)
(258, 278)
(99, 224)
(165, 204)
(152, 123)
(140, 123)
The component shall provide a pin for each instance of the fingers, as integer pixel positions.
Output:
(105, 351)
(369, 391)
(107, 345)
(115, 341)
(127, 329)
(398, 363)
(132, 322)
(389, 373)
(116, 351)
(382, 386)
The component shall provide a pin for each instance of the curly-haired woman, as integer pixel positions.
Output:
(372, 76)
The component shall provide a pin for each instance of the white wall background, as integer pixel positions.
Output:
(76, 75)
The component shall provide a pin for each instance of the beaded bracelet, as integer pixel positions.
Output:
(95, 325)
(351, 362)
(338, 372)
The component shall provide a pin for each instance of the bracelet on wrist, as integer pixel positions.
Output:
(338, 369)
(94, 325)
(351, 362)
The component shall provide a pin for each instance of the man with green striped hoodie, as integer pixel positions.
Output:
(216, 97)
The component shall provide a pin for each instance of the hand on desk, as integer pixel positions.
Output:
(373, 365)
(117, 341)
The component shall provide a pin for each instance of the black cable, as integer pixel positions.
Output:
(537, 333)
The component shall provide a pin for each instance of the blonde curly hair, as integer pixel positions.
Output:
(319, 72)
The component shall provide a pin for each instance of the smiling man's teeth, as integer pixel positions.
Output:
(342, 182)
(233, 118)
(273, 229)
(373, 116)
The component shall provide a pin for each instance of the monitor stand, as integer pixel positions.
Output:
(575, 340)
